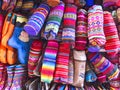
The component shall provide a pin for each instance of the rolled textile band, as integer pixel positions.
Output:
(61, 71)
(114, 73)
(69, 24)
(95, 26)
(104, 68)
(100, 62)
(34, 53)
(49, 61)
(81, 30)
(112, 40)
(54, 21)
(37, 20)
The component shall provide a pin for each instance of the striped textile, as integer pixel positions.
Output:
(19, 78)
(114, 59)
(103, 66)
(81, 30)
(49, 61)
(2, 67)
(69, 23)
(54, 21)
(95, 26)
(37, 20)
(61, 70)
(10, 75)
(4, 78)
(112, 40)
(34, 54)
(115, 83)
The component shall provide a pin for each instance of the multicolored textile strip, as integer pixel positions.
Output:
(95, 26)
(34, 54)
(112, 40)
(69, 23)
(37, 20)
(61, 70)
(49, 61)
(103, 66)
(81, 30)
(19, 77)
(54, 21)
